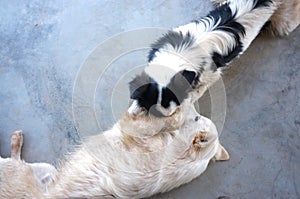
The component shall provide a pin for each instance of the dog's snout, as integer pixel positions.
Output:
(155, 112)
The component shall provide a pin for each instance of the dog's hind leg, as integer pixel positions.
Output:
(16, 144)
(286, 18)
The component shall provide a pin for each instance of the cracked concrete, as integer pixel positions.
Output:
(45, 45)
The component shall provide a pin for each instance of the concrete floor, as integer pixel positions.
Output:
(60, 84)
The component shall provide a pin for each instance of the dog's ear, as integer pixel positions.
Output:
(221, 154)
(139, 85)
(190, 76)
(185, 79)
(144, 92)
(183, 82)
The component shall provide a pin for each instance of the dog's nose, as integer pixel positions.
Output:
(153, 111)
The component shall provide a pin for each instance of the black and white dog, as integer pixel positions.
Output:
(184, 62)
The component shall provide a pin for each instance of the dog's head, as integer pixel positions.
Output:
(143, 124)
(151, 97)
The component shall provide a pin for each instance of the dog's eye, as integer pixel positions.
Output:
(197, 118)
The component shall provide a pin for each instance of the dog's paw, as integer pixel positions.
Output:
(16, 144)
(199, 138)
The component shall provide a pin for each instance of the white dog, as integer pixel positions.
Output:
(140, 156)
(167, 153)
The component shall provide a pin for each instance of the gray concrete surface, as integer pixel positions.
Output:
(46, 45)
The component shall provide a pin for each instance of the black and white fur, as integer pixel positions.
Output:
(184, 62)
(284, 20)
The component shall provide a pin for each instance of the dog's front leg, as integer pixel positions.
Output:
(16, 144)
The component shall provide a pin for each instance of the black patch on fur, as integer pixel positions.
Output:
(226, 22)
(151, 54)
(222, 60)
(262, 3)
(190, 76)
(144, 90)
(266, 26)
(168, 96)
(222, 12)
(229, 24)
(179, 87)
(176, 39)
(195, 21)
(218, 60)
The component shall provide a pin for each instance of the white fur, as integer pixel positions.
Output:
(113, 164)
(118, 164)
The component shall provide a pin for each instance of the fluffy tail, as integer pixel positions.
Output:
(215, 40)
(229, 29)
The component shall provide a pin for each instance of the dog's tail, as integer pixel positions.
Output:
(226, 32)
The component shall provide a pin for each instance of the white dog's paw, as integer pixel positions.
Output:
(16, 144)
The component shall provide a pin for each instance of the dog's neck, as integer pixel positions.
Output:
(145, 133)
